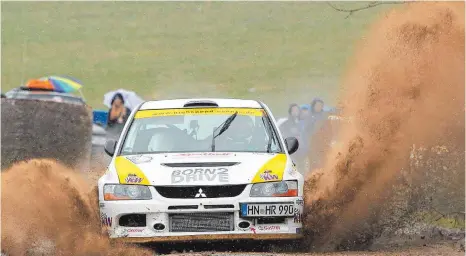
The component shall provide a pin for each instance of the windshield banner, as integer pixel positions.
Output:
(198, 111)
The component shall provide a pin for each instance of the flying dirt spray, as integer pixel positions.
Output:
(404, 86)
(48, 209)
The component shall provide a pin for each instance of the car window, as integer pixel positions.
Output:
(191, 130)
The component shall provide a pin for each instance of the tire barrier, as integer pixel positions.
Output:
(45, 129)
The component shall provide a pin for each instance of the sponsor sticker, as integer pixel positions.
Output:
(269, 228)
(272, 170)
(298, 218)
(134, 230)
(129, 172)
(101, 205)
(200, 174)
(139, 159)
(300, 202)
(198, 111)
(293, 171)
(268, 175)
(201, 155)
(133, 178)
(106, 220)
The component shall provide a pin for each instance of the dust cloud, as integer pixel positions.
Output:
(48, 209)
(404, 86)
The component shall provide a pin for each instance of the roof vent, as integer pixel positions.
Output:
(200, 103)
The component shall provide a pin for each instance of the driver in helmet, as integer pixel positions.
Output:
(239, 135)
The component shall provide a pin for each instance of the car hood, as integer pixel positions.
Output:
(210, 168)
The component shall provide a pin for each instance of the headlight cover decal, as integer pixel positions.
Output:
(129, 173)
(272, 170)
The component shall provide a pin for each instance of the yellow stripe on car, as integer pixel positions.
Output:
(198, 111)
(272, 170)
(129, 173)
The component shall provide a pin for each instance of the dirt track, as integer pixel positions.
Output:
(428, 250)
(63, 211)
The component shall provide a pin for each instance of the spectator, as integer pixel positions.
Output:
(305, 111)
(117, 115)
(290, 128)
(317, 120)
(320, 144)
(304, 116)
(317, 115)
(300, 157)
(317, 108)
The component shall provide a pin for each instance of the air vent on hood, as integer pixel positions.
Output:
(182, 207)
(204, 164)
(201, 103)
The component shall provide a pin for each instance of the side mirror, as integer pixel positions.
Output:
(291, 145)
(110, 146)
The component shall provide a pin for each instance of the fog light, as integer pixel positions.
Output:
(244, 224)
(159, 226)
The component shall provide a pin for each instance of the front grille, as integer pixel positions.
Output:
(219, 206)
(196, 192)
(202, 222)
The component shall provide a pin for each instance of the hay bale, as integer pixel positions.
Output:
(44, 129)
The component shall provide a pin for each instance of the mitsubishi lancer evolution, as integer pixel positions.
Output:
(201, 169)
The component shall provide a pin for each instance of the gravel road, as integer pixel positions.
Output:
(452, 248)
(437, 250)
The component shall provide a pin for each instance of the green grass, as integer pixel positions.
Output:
(448, 221)
(285, 50)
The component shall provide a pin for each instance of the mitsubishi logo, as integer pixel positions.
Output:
(200, 193)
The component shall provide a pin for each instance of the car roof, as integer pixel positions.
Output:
(42, 92)
(44, 96)
(180, 103)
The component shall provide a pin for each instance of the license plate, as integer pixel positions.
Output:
(265, 210)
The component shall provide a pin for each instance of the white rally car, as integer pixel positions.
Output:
(201, 169)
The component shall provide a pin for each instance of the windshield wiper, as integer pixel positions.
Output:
(269, 131)
(223, 127)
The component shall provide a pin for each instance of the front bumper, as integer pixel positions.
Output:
(233, 237)
(114, 215)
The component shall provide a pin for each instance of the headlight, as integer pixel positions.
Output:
(126, 192)
(275, 189)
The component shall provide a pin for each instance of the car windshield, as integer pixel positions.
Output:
(190, 130)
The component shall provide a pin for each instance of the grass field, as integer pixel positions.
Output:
(287, 51)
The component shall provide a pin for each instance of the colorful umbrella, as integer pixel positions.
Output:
(54, 83)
